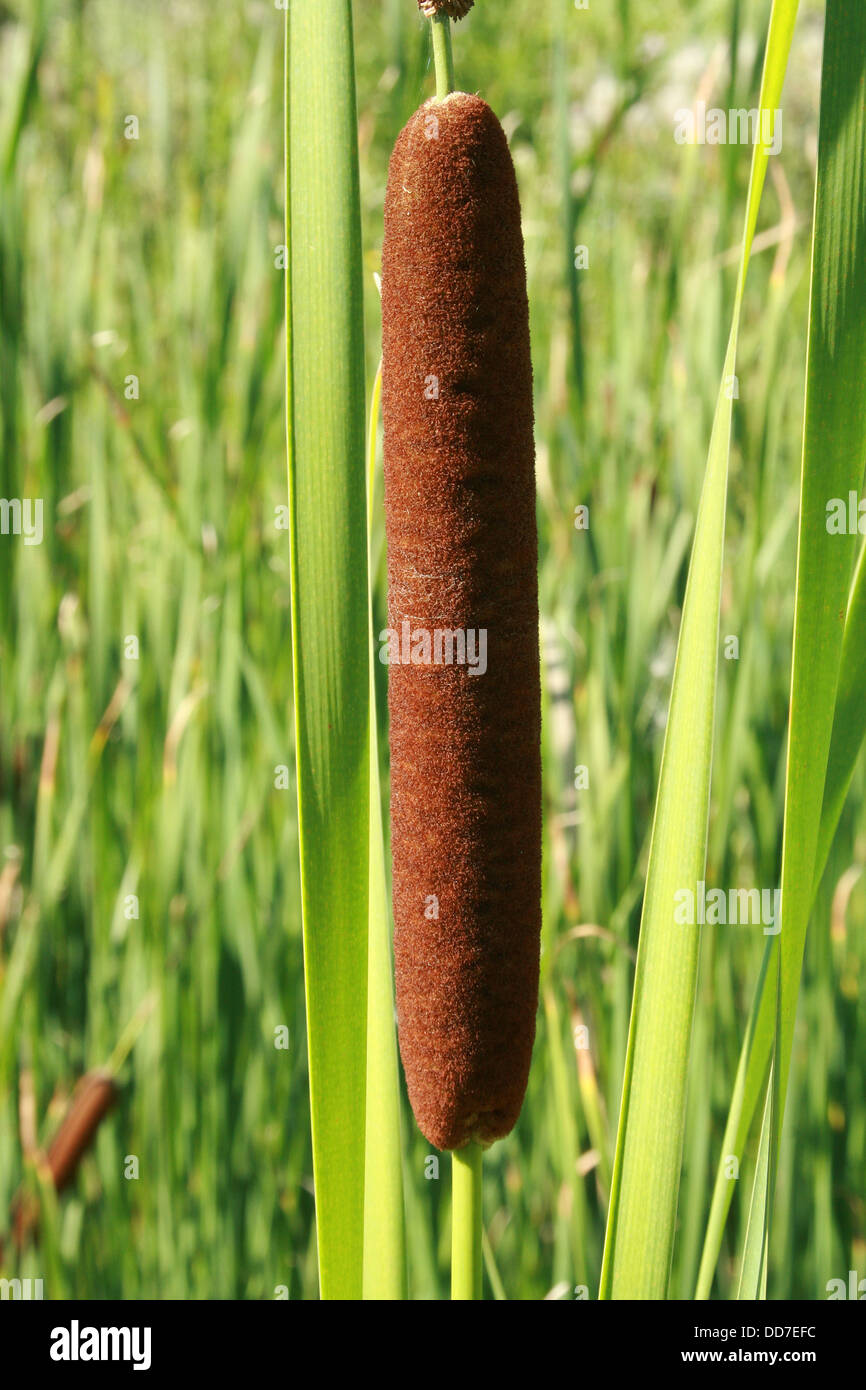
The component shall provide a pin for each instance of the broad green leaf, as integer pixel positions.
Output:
(834, 448)
(644, 1193)
(827, 709)
(330, 621)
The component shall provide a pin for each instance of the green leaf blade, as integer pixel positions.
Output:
(645, 1189)
(327, 496)
(833, 453)
(828, 719)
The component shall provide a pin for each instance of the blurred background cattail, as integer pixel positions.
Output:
(94, 1096)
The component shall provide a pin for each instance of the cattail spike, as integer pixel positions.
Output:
(462, 562)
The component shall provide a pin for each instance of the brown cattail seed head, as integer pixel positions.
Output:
(462, 558)
(455, 9)
(94, 1096)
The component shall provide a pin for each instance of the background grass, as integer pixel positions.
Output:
(156, 257)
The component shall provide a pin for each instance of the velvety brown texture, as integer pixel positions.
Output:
(462, 553)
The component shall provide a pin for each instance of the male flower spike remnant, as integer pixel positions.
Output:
(454, 9)
(462, 561)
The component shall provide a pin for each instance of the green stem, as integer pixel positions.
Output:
(466, 1223)
(443, 57)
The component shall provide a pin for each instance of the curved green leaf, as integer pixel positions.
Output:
(645, 1188)
(827, 708)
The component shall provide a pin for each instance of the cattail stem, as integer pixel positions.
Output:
(443, 56)
(466, 1225)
